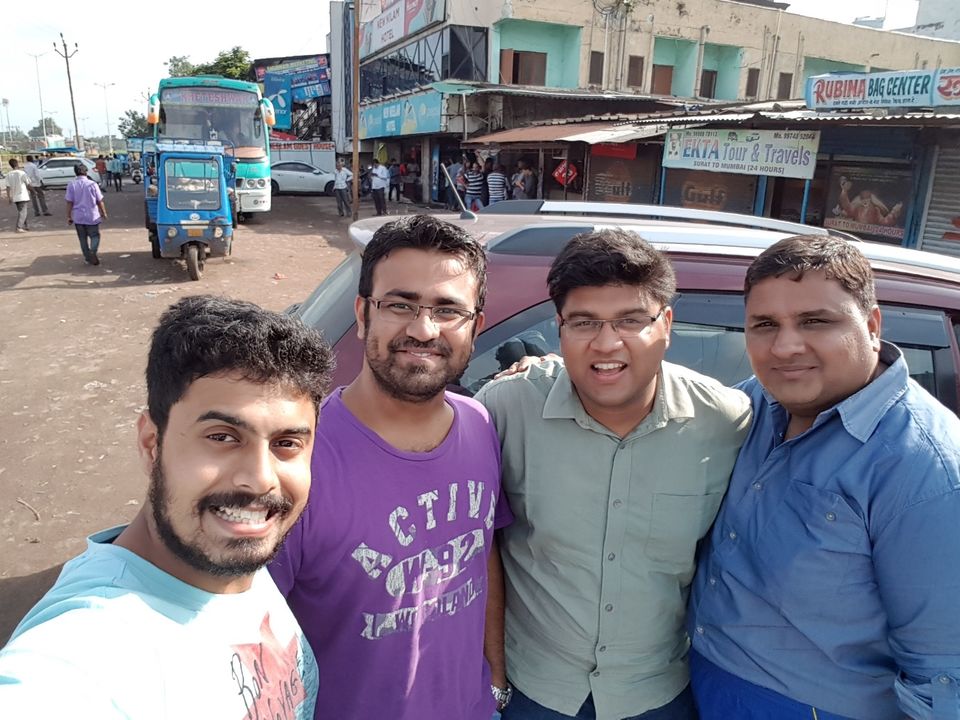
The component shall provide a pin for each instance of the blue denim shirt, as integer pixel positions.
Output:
(832, 574)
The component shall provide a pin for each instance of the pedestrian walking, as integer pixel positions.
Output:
(474, 178)
(395, 175)
(85, 211)
(341, 180)
(37, 195)
(497, 184)
(101, 166)
(116, 172)
(380, 180)
(18, 193)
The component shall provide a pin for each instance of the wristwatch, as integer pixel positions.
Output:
(502, 695)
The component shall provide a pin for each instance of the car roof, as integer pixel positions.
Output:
(707, 233)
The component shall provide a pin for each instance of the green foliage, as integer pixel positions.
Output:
(52, 129)
(133, 124)
(235, 63)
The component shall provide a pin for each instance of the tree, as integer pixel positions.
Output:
(133, 124)
(234, 63)
(52, 129)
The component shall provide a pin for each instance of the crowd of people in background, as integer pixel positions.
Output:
(479, 184)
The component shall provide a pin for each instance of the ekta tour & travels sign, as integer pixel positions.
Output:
(781, 153)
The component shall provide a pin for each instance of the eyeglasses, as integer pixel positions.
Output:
(403, 311)
(632, 326)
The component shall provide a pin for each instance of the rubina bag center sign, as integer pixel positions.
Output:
(907, 88)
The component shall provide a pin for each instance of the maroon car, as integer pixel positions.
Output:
(918, 292)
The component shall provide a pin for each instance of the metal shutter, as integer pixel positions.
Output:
(944, 205)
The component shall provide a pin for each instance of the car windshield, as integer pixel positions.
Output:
(192, 184)
(231, 117)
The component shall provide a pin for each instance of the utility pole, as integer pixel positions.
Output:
(66, 56)
(6, 133)
(355, 85)
(43, 118)
(107, 108)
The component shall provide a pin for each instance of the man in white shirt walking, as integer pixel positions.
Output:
(37, 194)
(379, 182)
(18, 193)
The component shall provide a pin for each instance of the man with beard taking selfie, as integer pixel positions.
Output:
(174, 615)
(387, 572)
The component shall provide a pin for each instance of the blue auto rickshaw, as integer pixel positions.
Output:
(189, 205)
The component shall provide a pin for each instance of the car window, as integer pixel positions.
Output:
(707, 337)
(329, 308)
(293, 167)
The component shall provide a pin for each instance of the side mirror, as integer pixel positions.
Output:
(269, 115)
(153, 110)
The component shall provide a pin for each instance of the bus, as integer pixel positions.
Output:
(233, 113)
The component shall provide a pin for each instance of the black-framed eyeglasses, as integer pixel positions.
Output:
(630, 326)
(404, 311)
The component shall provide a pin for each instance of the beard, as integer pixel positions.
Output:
(415, 384)
(237, 557)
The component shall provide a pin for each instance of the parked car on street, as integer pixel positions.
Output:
(918, 292)
(58, 171)
(291, 176)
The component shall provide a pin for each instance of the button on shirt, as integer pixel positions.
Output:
(600, 556)
(833, 571)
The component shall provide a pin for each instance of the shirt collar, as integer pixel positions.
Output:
(861, 412)
(671, 403)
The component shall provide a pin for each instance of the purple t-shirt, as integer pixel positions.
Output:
(386, 570)
(84, 194)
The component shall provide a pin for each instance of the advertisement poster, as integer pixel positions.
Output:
(309, 75)
(779, 153)
(905, 88)
(701, 190)
(869, 201)
(620, 180)
(397, 20)
(412, 115)
(277, 89)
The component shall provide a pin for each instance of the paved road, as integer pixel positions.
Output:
(73, 343)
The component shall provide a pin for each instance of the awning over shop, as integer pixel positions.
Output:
(590, 133)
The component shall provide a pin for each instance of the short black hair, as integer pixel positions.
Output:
(13, 163)
(611, 257)
(204, 335)
(79, 169)
(840, 260)
(424, 232)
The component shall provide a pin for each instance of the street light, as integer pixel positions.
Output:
(43, 118)
(107, 108)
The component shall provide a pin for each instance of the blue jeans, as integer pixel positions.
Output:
(91, 233)
(523, 708)
(471, 199)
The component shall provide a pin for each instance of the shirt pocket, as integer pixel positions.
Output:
(677, 524)
(813, 545)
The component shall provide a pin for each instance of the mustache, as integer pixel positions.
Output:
(409, 343)
(273, 504)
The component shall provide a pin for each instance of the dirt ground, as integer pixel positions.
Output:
(73, 350)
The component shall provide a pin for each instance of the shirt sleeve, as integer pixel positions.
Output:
(69, 196)
(917, 561)
(97, 192)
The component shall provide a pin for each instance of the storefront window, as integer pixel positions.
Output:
(455, 52)
(703, 190)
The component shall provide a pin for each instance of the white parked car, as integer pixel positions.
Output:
(58, 171)
(299, 177)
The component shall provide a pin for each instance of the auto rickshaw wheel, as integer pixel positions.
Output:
(155, 246)
(194, 264)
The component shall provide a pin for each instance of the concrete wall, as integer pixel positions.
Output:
(939, 18)
(727, 60)
(682, 55)
(748, 27)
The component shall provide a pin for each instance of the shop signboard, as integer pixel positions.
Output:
(700, 190)
(276, 88)
(869, 201)
(413, 115)
(309, 75)
(398, 20)
(904, 88)
(780, 153)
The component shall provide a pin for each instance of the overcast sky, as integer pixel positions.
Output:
(117, 45)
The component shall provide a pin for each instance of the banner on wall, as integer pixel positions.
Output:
(309, 75)
(621, 180)
(413, 115)
(780, 153)
(397, 20)
(906, 88)
(700, 190)
(869, 201)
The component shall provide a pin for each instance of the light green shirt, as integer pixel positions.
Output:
(599, 558)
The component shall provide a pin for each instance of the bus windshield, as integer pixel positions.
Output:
(231, 117)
